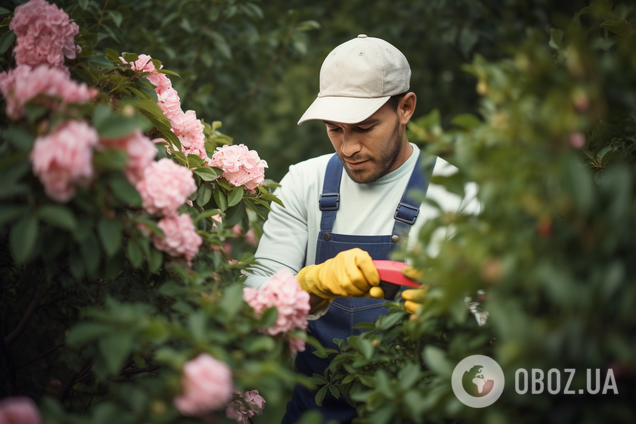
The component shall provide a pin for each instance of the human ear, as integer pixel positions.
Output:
(406, 107)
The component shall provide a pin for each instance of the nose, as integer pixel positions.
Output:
(350, 143)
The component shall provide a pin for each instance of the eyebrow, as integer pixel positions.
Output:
(369, 121)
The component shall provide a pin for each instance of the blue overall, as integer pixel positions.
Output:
(344, 313)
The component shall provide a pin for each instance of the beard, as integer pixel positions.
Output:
(381, 165)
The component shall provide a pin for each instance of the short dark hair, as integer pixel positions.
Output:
(395, 100)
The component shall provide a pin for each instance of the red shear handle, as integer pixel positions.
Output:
(391, 272)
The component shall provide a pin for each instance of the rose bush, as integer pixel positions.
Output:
(111, 214)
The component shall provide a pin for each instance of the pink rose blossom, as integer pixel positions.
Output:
(170, 103)
(161, 82)
(207, 386)
(181, 238)
(44, 34)
(19, 410)
(283, 292)
(577, 140)
(23, 83)
(296, 345)
(141, 153)
(190, 132)
(142, 64)
(165, 186)
(241, 166)
(63, 159)
(251, 405)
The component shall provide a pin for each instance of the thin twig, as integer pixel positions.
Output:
(24, 364)
(25, 319)
(62, 394)
(102, 15)
(140, 370)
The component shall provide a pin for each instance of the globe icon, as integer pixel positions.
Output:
(475, 383)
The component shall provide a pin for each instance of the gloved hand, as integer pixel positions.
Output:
(350, 274)
(413, 297)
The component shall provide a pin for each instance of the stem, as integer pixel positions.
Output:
(24, 364)
(102, 14)
(73, 379)
(140, 370)
(25, 319)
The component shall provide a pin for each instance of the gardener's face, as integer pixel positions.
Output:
(376, 146)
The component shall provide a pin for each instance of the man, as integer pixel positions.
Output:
(334, 223)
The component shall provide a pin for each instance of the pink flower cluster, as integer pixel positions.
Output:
(207, 386)
(181, 238)
(63, 159)
(141, 153)
(19, 410)
(283, 292)
(186, 126)
(241, 166)
(23, 83)
(165, 186)
(251, 405)
(44, 34)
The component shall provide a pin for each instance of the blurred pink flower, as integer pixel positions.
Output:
(23, 83)
(44, 34)
(165, 186)
(142, 64)
(19, 410)
(296, 345)
(190, 132)
(63, 159)
(241, 166)
(141, 153)
(170, 103)
(161, 82)
(283, 292)
(207, 386)
(181, 237)
(250, 406)
(577, 140)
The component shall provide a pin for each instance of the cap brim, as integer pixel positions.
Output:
(346, 110)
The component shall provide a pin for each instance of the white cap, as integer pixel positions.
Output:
(357, 78)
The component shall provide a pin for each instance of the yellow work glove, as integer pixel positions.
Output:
(349, 274)
(413, 297)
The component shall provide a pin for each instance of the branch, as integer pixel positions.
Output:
(25, 319)
(24, 364)
(140, 370)
(63, 393)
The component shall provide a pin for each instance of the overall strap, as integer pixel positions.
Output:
(330, 198)
(408, 209)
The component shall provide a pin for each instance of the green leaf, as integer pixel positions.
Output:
(19, 137)
(23, 237)
(85, 332)
(320, 396)
(194, 160)
(110, 234)
(35, 111)
(115, 348)
(205, 194)
(9, 212)
(91, 252)
(197, 323)
(220, 199)
(232, 299)
(206, 173)
(621, 28)
(134, 253)
(466, 121)
(435, 358)
(116, 17)
(58, 216)
(269, 316)
(408, 376)
(334, 391)
(110, 159)
(220, 43)
(117, 126)
(112, 55)
(150, 225)
(234, 215)
(365, 347)
(307, 25)
(6, 41)
(235, 196)
(125, 192)
(152, 110)
(206, 214)
(556, 38)
(155, 261)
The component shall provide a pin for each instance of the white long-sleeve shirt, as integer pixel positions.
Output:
(290, 233)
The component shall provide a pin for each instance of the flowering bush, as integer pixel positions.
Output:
(107, 219)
